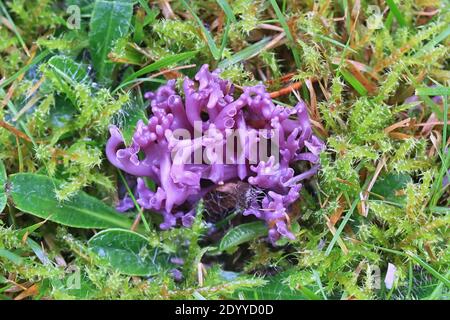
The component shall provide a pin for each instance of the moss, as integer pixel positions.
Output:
(62, 134)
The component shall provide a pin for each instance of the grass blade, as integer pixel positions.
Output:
(35, 61)
(3, 177)
(209, 39)
(432, 43)
(341, 226)
(245, 54)
(227, 9)
(397, 13)
(354, 82)
(444, 130)
(162, 63)
(285, 26)
(16, 32)
(416, 259)
(430, 91)
(225, 37)
(430, 269)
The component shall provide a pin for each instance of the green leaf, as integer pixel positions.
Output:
(35, 194)
(129, 252)
(442, 210)
(30, 229)
(130, 121)
(110, 21)
(3, 178)
(389, 184)
(67, 68)
(241, 234)
(277, 289)
(62, 114)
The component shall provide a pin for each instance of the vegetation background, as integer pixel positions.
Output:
(379, 207)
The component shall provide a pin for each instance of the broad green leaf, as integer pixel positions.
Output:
(388, 186)
(2, 186)
(241, 234)
(35, 194)
(277, 289)
(110, 21)
(75, 285)
(68, 69)
(131, 118)
(62, 114)
(129, 252)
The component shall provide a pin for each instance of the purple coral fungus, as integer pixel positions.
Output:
(206, 114)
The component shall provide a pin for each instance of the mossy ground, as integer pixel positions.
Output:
(379, 198)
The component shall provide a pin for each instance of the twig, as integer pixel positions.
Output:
(365, 195)
(14, 131)
(267, 26)
(286, 90)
